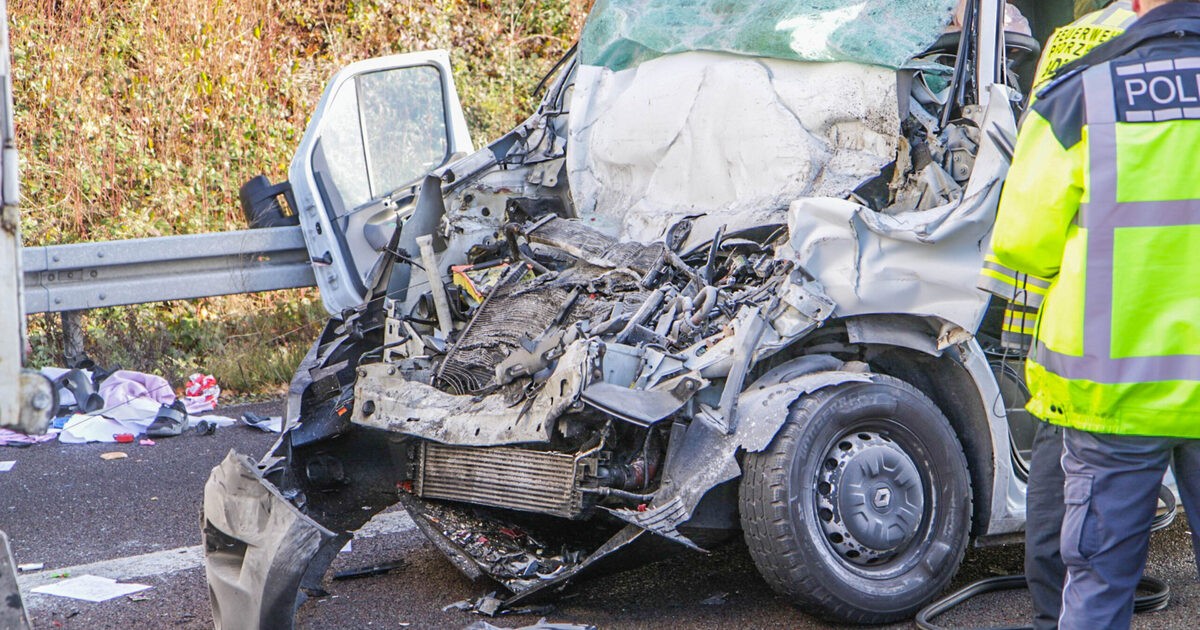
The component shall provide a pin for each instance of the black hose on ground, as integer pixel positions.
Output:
(1157, 597)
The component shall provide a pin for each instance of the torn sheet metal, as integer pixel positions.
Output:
(714, 133)
(424, 411)
(255, 578)
(915, 262)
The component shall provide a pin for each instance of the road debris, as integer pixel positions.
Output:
(170, 421)
(7, 466)
(31, 566)
(272, 424)
(542, 624)
(201, 392)
(8, 437)
(124, 386)
(113, 455)
(90, 588)
(375, 569)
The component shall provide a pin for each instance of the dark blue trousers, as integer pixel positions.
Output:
(1111, 494)
(1044, 568)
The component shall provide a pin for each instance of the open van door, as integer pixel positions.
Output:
(380, 127)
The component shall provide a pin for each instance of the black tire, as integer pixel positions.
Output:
(842, 452)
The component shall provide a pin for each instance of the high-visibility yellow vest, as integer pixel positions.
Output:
(1076, 39)
(1022, 292)
(1104, 197)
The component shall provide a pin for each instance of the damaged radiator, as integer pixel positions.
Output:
(505, 477)
(496, 331)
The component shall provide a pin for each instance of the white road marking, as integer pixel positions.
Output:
(157, 563)
(179, 559)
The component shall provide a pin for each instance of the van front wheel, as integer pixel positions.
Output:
(860, 509)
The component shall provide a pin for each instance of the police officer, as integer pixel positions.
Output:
(1104, 199)
(1044, 569)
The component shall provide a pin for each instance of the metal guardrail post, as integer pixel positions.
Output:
(72, 326)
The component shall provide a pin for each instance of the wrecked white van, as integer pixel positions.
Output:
(721, 283)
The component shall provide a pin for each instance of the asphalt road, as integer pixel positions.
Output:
(136, 519)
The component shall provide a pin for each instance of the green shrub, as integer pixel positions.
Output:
(138, 118)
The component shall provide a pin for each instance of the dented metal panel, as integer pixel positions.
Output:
(920, 262)
(387, 401)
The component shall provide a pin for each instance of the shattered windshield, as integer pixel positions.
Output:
(621, 34)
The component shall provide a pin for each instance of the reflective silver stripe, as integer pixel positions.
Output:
(1182, 367)
(1101, 118)
(987, 264)
(1018, 277)
(1160, 66)
(1109, 11)
(1102, 216)
(1171, 113)
(995, 286)
(1133, 68)
(1140, 214)
(1105, 13)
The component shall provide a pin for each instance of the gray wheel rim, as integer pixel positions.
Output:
(870, 498)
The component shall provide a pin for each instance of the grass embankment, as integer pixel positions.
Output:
(140, 118)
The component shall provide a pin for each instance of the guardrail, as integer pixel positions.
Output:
(82, 276)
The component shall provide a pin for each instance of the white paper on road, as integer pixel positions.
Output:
(141, 410)
(6, 466)
(132, 417)
(90, 588)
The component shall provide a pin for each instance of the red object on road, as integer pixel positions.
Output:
(123, 438)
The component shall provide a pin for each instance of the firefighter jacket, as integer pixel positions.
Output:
(1104, 198)
(1023, 293)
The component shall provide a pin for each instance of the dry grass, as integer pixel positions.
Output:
(141, 118)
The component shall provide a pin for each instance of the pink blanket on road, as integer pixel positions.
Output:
(123, 386)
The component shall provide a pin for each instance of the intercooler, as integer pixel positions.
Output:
(502, 476)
